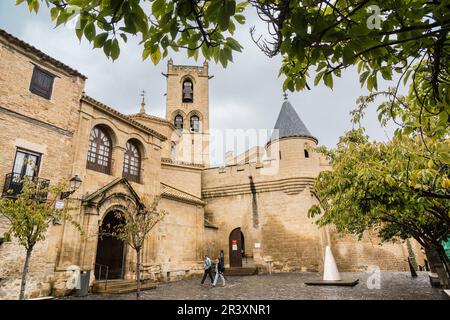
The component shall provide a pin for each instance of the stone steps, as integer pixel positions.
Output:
(246, 271)
(121, 286)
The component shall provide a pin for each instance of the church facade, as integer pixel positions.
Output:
(253, 210)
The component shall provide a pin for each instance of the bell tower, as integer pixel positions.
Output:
(187, 108)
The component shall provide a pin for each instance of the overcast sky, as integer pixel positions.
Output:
(247, 94)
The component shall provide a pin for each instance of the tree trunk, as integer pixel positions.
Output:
(438, 263)
(24, 274)
(138, 273)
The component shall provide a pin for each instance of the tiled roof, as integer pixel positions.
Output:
(30, 49)
(122, 116)
(151, 117)
(176, 194)
(289, 124)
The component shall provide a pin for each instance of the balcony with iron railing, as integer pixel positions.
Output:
(14, 185)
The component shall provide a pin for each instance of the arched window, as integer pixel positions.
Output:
(178, 122)
(306, 154)
(195, 123)
(99, 154)
(188, 91)
(132, 162)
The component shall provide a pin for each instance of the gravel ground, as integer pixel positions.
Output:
(288, 286)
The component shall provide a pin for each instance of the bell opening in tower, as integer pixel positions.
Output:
(188, 91)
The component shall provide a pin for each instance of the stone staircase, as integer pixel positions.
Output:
(121, 286)
(245, 271)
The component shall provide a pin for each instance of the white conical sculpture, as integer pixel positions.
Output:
(330, 270)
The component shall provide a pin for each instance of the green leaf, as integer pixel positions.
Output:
(299, 23)
(239, 18)
(100, 39)
(224, 21)
(347, 55)
(328, 80)
(146, 53)
(157, 7)
(230, 7)
(372, 82)
(107, 47)
(124, 37)
(54, 12)
(223, 58)
(233, 44)
(318, 78)
(445, 157)
(173, 29)
(115, 49)
(89, 31)
(156, 56)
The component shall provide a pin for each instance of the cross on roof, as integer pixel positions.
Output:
(285, 95)
(143, 101)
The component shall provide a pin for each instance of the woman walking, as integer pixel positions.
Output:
(220, 268)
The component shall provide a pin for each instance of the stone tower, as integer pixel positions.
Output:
(187, 108)
(292, 145)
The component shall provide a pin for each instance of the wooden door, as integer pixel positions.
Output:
(110, 250)
(235, 246)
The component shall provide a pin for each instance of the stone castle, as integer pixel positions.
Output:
(253, 209)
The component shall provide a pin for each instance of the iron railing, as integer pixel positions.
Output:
(14, 184)
(98, 275)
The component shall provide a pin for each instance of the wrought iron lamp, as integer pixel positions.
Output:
(75, 183)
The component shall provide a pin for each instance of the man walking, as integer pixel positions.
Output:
(207, 267)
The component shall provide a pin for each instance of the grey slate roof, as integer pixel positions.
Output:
(289, 124)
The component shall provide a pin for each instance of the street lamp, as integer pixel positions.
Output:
(75, 183)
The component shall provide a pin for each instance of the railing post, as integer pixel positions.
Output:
(106, 282)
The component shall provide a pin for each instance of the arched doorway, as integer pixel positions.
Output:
(237, 247)
(110, 249)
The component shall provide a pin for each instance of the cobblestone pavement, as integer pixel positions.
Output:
(393, 285)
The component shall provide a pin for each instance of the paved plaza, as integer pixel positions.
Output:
(392, 285)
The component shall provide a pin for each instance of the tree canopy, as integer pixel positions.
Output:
(320, 36)
(400, 188)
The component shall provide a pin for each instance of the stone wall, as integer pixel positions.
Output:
(186, 178)
(175, 246)
(47, 127)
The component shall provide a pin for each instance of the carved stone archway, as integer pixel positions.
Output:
(114, 197)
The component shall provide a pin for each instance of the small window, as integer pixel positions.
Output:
(178, 122)
(306, 154)
(42, 83)
(195, 124)
(188, 91)
(26, 164)
(279, 153)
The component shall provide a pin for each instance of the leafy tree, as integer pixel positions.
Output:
(321, 36)
(400, 188)
(30, 215)
(138, 221)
